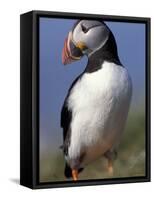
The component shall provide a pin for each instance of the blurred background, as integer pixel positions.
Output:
(55, 80)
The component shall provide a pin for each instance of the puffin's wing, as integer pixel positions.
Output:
(66, 116)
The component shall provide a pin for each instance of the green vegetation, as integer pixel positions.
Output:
(130, 161)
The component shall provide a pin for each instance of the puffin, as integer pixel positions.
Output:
(96, 106)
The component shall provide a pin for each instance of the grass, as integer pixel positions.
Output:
(130, 161)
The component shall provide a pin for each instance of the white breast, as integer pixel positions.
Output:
(99, 102)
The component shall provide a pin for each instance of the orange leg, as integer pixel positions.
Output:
(110, 167)
(75, 174)
(111, 155)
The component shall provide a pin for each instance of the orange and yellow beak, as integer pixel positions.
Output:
(71, 51)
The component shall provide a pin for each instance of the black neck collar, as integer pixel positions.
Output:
(107, 53)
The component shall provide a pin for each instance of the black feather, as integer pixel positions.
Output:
(108, 53)
(66, 118)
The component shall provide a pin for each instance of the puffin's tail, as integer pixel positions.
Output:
(68, 171)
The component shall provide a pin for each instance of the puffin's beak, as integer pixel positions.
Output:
(71, 52)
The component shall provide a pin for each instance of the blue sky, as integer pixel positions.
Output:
(55, 78)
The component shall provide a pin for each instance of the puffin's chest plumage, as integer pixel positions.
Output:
(99, 103)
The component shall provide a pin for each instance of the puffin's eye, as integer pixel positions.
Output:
(84, 29)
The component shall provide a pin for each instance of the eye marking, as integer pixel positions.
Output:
(84, 29)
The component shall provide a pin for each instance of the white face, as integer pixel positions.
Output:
(92, 33)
